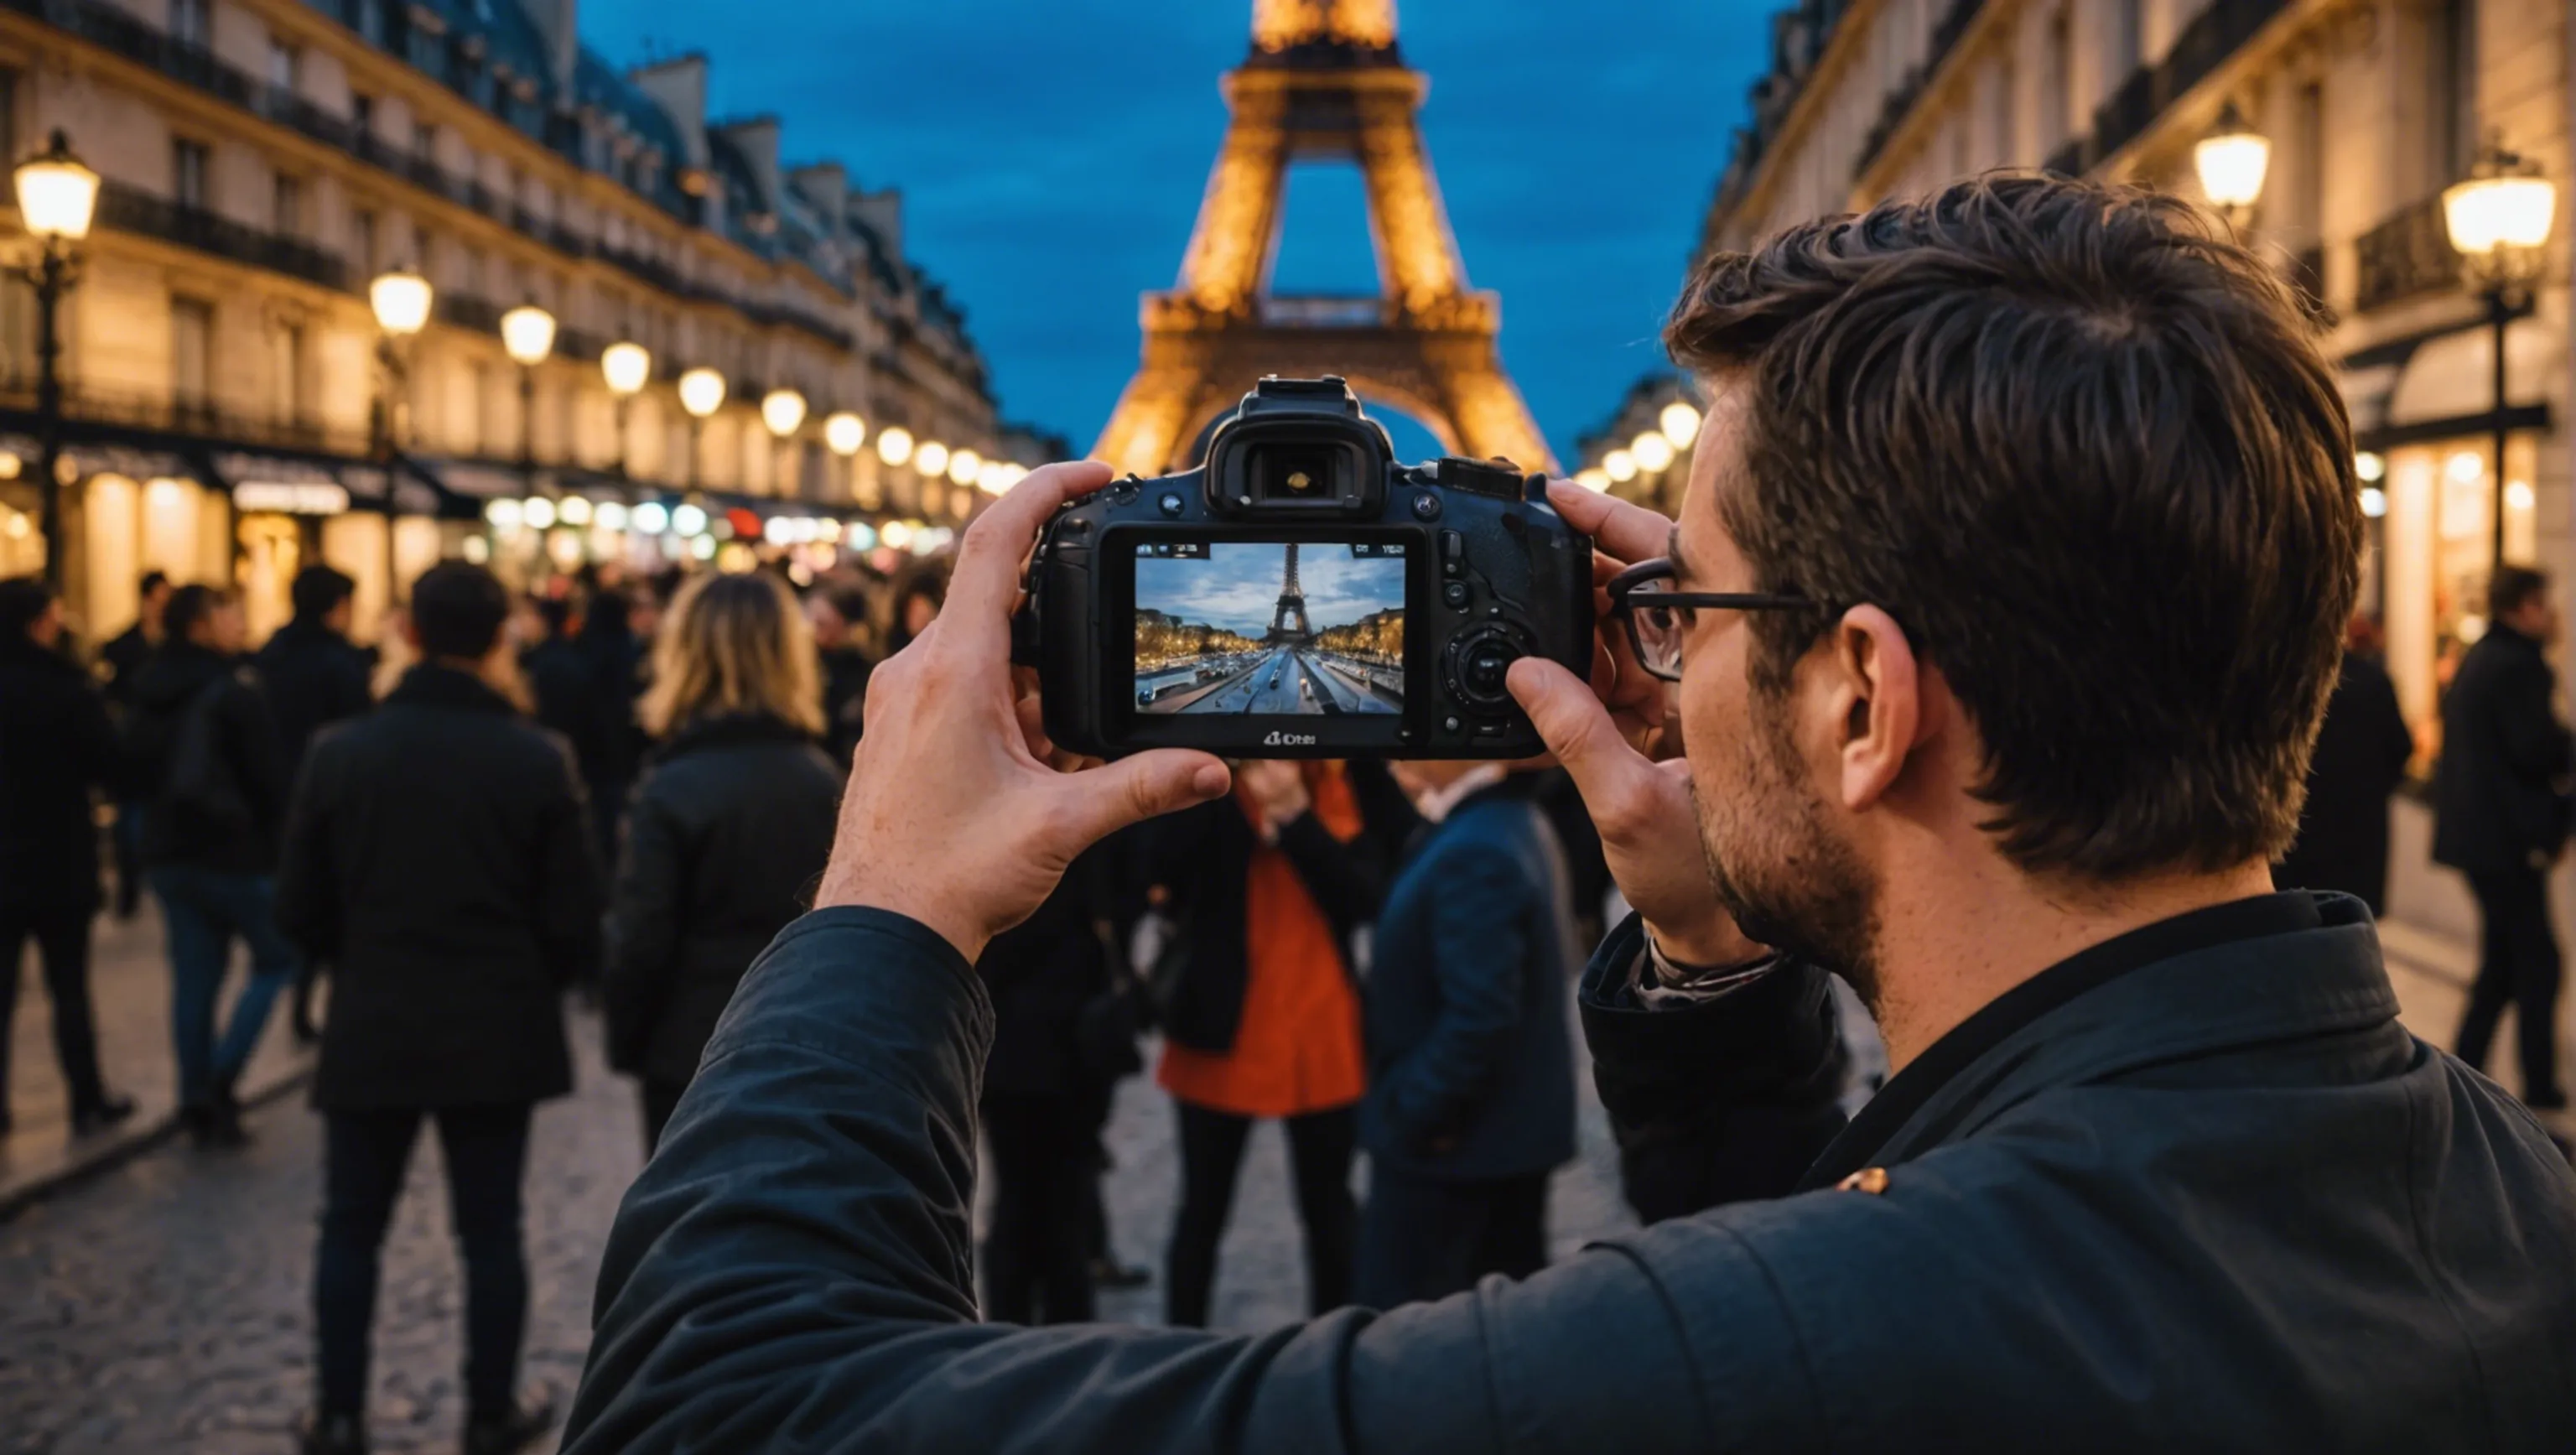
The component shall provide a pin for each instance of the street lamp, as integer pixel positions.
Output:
(528, 336)
(782, 410)
(627, 367)
(2498, 219)
(1653, 452)
(894, 445)
(702, 393)
(2232, 161)
(963, 467)
(57, 199)
(843, 433)
(1680, 422)
(400, 299)
(931, 460)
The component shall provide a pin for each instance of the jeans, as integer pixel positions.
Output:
(2518, 964)
(365, 1154)
(1423, 1238)
(206, 909)
(1320, 1147)
(62, 939)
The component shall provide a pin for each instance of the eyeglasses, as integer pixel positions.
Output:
(1658, 616)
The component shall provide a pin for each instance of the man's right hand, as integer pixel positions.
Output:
(1604, 733)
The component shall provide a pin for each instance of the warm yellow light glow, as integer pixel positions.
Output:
(503, 514)
(401, 301)
(2369, 466)
(897, 534)
(703, 547)
(611, 516)
(1654, 452)
(538, 512)
(2374, 502)
(963, 465)
(527, 334)
(702, 391)
(627, 367)
(1680, 423)
(57, 195)
(844, 432)
(573, 510)
(1595, 478)
(782, 410)
(2232, 161)
(564, 549)
(1279, 24)
(894, 446)
(2506, 205)
(2518, 495)
(931, 459)
(689, 520)
(778, 530)
(991, 479)
(1620, 466)
(2465, 466)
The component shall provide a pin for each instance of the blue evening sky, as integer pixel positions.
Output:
(1237, 587)
(1052, 156)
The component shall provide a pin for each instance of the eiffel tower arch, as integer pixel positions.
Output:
(1288, 623)
(1324, 80)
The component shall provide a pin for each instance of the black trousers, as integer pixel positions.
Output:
(365, 1154)
(1424, 1238)
(1037, 1257)
(1320, 1147)
(2518, 964)
(62, 943)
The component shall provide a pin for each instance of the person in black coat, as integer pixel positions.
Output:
(124, 658)
(610, 744)
(2360, 759)
(313, 675)
(2500, 817)
(730, 825)
(56, 748)
(839, 611)
(439, 861)
(202, 738)
(557, 679)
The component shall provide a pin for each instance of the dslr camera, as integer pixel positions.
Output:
(1302, 595)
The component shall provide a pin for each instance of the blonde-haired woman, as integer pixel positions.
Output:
(727, 831)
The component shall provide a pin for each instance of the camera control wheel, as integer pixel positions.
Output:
(1478, 662)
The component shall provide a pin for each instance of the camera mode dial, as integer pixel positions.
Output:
(1478, 662)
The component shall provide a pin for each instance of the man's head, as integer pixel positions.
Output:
(205, 616)
(2519, 598)
(30, 612)
(153, 595)
(324, 597)
(457, 612)
(2073, 493)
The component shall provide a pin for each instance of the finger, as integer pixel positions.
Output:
(1619, 786)
(986, 583)
(1096, 804)
(1629, 532)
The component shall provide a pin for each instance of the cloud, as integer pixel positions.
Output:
(1238, 586)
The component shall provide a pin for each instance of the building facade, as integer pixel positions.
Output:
(234, 410)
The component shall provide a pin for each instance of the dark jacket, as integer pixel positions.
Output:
(1203, 855)
(612, 746)
(2360, 759)
(725, 838)
(55, 748)
(203, 748)
(559, 681)
(2495, 805)
(439, 861)
(845, 700)
(2193, 1190)
(1471, 1065)
(125, 655)
(1043, 975)
(314, 678)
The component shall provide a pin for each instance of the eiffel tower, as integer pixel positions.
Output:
(1324, 79)
(1292, 606)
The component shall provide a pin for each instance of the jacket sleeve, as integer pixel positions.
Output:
(642, 934)
(794, 1267)
(308, 894)
(2535, 741)
(2397, 740)
(1479, 952)
(1347, 878)
(259, 753)
(569, 896)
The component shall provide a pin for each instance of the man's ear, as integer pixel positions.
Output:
(1882, 702)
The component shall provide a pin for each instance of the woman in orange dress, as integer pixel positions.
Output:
(1263, 1020)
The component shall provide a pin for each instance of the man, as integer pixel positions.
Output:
(55, 748)
(2003, 604)
(2361, 755)
(313, 675)
(439, 862)
(124, 657)
(202, 739)
(1470, 1102)
(2501, 819)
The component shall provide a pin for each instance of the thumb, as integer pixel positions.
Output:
(1609, 775)
(1110, 797)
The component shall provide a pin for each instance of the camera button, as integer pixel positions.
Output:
(1455, 593)
(1451, 724)
(1493, 729)
(1426, 506)
(1171, 505)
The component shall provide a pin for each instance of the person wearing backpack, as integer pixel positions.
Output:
(205, 744)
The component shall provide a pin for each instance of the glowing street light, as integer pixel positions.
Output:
(844, 432)
(894, 445)
(57, 198)
(782, 410)
(1654, 452)
(2232, 162)
(2498, 219)
(1680, 423)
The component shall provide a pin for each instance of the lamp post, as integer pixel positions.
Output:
(2232, 162)
(626, 367)
(528, 336)
(400, 299)
(702, 393)
(783, 412)
(2498, 219)
(57, 199)
(843, 433)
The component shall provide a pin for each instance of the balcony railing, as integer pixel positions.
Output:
(2217, 33)
(194, 417)
(1900, 101)
(129, 209)
(2407, 255)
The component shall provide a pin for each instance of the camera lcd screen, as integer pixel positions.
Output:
(1269, 629)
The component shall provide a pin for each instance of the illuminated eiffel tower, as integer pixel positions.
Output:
(1324, 80)
(1292, 607)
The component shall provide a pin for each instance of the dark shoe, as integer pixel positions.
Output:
(335, 1435)
(97, 1116)
(1110, 1273)
(514, 1429)
(215, 1124)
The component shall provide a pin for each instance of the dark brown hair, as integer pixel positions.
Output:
(2512, 587)
(2086, 453)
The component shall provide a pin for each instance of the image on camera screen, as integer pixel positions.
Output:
(1266, 628)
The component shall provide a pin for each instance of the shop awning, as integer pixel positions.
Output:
(2442, 384)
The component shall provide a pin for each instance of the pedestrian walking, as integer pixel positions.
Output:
(439, 862)
(727, 831)
(557, 677)
(1267, 886)
(1470, 1105)
(839, 609)
(124, 658)
(56, 751)
(2361, 756)
(610, 744)
(313, 674)
(2500, 817)
(201, 735)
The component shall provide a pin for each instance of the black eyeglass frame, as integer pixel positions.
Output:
(1624, 603)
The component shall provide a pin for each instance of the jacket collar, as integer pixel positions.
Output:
(1436, 806)
(727, 730)
(431, 685)
(2277, 967)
